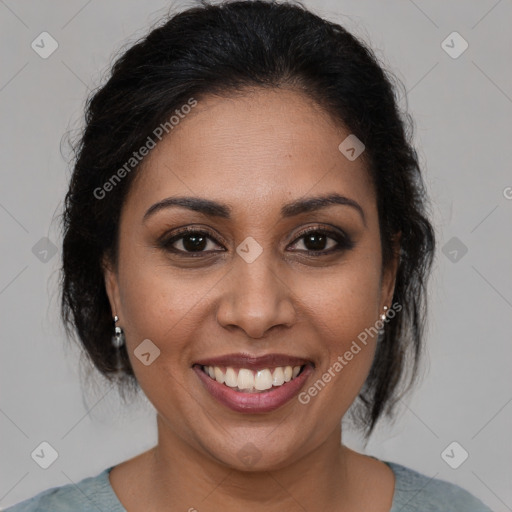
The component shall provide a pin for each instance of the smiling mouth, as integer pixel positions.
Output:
(245, 380)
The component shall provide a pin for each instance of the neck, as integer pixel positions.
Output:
(189, 479)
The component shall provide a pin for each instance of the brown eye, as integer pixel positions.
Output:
(322, 241)
(190, 241)
(317, 241)
(194, 242)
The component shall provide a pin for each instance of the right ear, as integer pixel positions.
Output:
(112, 286)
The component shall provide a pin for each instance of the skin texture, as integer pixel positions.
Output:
(255, 152)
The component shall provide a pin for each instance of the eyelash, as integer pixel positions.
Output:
(344, 242)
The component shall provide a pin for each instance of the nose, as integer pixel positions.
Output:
(255, 298)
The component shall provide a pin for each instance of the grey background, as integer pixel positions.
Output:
(462, 109)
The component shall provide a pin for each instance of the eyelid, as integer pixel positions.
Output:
(322, 229)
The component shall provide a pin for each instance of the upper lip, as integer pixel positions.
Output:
(254, 362)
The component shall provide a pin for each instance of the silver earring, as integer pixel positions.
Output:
(118, 337)
(118, 342)
(383, 318)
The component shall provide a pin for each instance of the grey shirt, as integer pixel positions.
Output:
(414, 492)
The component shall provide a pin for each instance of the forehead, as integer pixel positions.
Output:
(261, 149)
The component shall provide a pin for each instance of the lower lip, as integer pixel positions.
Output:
(254, 402)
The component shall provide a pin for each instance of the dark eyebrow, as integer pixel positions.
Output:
(318, 202)
(211, 208)
(215, 209)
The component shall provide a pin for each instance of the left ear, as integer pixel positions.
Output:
(389, 273)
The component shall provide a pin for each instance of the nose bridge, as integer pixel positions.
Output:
(256, 298)
(257, 278)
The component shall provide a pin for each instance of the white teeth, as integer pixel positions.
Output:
(246, 380)
(263, 380)
(231, 379)
(218, 375)
(278, 377)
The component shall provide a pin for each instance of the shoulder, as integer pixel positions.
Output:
(415, 491)
(92, 493)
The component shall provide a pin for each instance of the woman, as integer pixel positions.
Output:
(246, 240)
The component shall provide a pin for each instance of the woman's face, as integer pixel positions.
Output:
(250, 284)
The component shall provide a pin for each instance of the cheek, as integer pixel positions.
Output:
(345, 301)
(346, 328)
(345, 308)
(157, 299)
(156, 306)
(162, 308)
